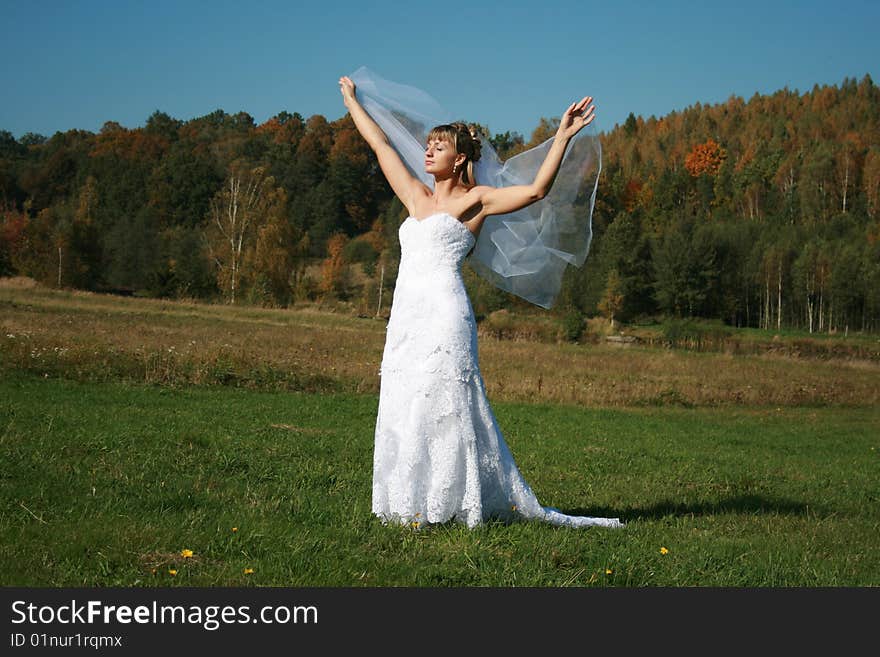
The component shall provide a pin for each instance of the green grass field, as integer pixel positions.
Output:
(106, 484)
(135, 431)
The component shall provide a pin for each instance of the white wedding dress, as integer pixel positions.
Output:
(439, 454)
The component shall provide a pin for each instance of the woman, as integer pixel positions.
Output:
(439, 454)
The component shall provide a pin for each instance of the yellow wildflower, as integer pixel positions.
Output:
(608, 571)
(235, 529)
(663, 550)
(248, 571)
(186, 553)
(172, 572)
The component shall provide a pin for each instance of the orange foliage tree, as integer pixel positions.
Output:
(705, 158)
(334, 269)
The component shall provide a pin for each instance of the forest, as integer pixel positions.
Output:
(760, 213)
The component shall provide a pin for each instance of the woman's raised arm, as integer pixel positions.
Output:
(501, 200)
(404, 184)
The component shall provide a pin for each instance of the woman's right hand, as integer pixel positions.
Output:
(576, 117)
(346, 87)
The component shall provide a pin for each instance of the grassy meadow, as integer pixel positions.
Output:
(135, 431)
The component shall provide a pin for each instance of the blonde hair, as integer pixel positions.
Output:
(465, 140)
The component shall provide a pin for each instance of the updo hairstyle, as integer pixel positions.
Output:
(466, 140)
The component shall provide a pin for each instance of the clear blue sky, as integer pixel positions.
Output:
(79, 63)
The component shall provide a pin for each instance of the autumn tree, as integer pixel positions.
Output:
(283, 128)
(350, 160)
(237, 211)
(12, 237)
(545, 130)
(36, 255)
(271, 261)
(334, 269)
(705, 158)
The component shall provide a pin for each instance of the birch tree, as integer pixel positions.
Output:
(233, 217)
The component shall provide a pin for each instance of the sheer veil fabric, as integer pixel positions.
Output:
(524, 252)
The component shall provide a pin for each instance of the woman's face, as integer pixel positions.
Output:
(440, 156)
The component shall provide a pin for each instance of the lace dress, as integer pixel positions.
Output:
(439, 454)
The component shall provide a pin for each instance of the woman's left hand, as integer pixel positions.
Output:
(576, 117)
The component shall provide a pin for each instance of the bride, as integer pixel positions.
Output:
(439, 454)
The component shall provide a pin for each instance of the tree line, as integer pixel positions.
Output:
(761, 213)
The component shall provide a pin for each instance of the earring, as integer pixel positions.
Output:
(454, 168)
